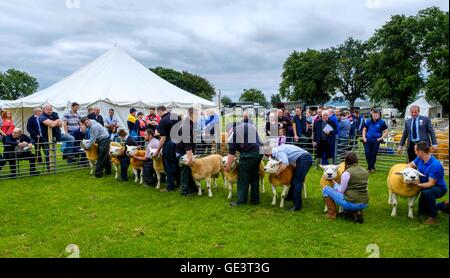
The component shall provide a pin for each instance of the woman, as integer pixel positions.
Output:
(271, 121)
(324, 138)
(7, 125)
(351, 194)
(374, 131)
(140, 127)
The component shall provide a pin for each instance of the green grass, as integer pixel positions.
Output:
(40, 216)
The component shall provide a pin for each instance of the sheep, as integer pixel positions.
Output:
(442, 151)
(283, 179)
(137, 165)
(231, 178)
(91, 154)
(401, 181)
(116, 150)
(205, 168)
(158, 166)
(331, 172)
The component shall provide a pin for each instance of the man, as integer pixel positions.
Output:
(99, 135)
(152, 119)
(18, 147)
(212, 120)
(334, 119)
(246, 117)
(96, 116)
(283, 120)
(344, 128)
(432, 182)
(168, 120)
(417, 129)
(374, 132)
(112, 124)
(149, 171)
(72, 119)
(299, 127)
(125, 140)
(301, 160)
(131, 119)
(186, 145)
(35, 130)
(50, 119)
(245, 139)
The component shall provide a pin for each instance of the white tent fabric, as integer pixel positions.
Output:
(114, 80)
(427, 108)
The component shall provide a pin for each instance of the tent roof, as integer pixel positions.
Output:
(423, 103)
(114, 77)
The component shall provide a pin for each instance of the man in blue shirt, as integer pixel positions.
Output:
(293, 155)
(432, 182)
(374, 131)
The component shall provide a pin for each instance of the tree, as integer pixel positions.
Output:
(253, 95)
(350, 72)
(226, 101)
(192, 83)
(16, 84)
(433, 32)
(394, 63)
(307, 76)
(274, 99)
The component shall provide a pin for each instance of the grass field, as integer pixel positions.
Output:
(40, 216)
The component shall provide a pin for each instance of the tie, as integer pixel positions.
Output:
(39, 126)
(414, 131)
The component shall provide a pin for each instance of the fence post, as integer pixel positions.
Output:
(51, 151)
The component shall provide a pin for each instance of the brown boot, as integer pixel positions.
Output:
(431, 221)
(331, 208)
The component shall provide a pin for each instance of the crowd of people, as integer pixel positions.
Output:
(324, 132)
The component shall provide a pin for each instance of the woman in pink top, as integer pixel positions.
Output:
(8, 124)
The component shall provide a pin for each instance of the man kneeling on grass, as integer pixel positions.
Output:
(351, 194)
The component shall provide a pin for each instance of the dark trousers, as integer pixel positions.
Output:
(43, 146)
(411, 153)
(302, 167)
(187, 183)
(170, 164)
(371, 150)
(124, 164)
(248, 174)
(324, 151)
(149, 172)
(343, 147)
(103, 162)
(14, 157)
(427, 200)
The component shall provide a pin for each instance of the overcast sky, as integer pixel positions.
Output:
(234, 44)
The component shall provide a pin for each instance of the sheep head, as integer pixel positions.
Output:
(115, 151)
(84, 143)
(184, 159)
(132, 150)
(272, 166)
(410, 175)
(330, 171)
(234, 164)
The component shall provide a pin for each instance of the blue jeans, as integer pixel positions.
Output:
(371, 150)
(67, 146)
(170, 162)
(427, 200)
(339, 199)
(302, 167)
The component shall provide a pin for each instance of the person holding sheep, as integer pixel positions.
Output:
(244, 138)
(187, 146)
(431, 181)
(351, 194)
(293, 155)
(99, 135)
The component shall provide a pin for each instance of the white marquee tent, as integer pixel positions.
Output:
(427, 108)
(113, 80)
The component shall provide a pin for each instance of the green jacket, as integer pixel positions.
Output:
(357, 185)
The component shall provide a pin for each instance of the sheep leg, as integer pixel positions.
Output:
(116, 169)
(142, 176)
(91, 164)
(325, 209)
(208, 185)
(158, 176)
(274, 193)
(390, 197)
(135, 173)
(305, 195)
(263, 189)
(394, 204)
(199, 185)
(215, 182)
(225, 182)
(410, 206)
(283, 195)
(230, 190)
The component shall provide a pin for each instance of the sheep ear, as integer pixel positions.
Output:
(196, 156)
(321, 166)
(420, 174)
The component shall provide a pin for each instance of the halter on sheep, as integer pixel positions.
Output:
(116, 150)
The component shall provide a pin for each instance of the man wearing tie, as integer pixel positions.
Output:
(35, 131)
(418, 128)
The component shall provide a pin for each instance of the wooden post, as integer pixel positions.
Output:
(51, 150)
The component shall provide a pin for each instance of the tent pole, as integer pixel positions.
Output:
(23, 126)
